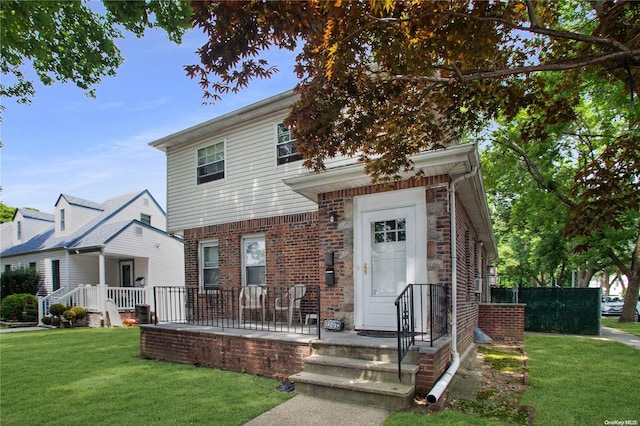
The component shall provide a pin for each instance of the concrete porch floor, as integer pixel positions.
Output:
(345, 337)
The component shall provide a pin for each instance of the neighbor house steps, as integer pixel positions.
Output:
(363, 375)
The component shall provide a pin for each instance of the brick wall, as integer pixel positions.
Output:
(255, 355)
(337, 237)
(502, 321)
(433, 363)
(266, 357)
(291, 249)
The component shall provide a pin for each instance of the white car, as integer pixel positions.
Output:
(611, 305)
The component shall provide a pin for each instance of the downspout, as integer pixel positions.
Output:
(444, 380)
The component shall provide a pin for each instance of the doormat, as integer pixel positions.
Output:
(374, 333)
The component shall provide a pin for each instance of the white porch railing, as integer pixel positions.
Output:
(127, 297)
(92, 298)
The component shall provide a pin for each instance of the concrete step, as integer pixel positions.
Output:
(373, 353)
(392, 396)
(360, 369)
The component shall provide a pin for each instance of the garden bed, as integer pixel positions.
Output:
(17, 324)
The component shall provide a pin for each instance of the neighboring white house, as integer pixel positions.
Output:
(121, 243)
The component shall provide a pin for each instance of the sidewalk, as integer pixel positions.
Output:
(16, 329)
(312, 411)
(620, 336)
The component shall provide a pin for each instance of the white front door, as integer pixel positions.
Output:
(391, 253)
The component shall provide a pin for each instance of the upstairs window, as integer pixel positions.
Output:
(62, 220)
(211, 163)
(19, 229)
(286, 146)
(145, 218)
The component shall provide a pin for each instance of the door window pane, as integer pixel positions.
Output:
(388, 257)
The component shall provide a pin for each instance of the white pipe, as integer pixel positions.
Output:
(444, 380)
(442, 384)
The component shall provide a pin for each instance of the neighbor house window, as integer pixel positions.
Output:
(286, 146)
(254, 260)
(210, 265)
(19, 229)
(62, 220)
(211, 163)
(145, 218)
(55, 274)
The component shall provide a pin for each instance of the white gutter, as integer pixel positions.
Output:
(444, 380)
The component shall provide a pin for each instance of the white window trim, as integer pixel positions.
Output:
(201, 246)
(206, 145)
(243, 240)
(142, 219)
(275, 128)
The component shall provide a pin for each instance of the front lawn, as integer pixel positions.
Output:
(96, 376)
(573, 381)
(582, 381)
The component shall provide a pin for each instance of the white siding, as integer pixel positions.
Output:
(43, 265)
(138, 206)
(29, 228)
(7, 234)
(83, 269)
(165, 256)
(252, 186)
(74, 217)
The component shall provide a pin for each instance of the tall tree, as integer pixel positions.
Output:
(533, 186)
(69, 41)
(382, 80)
(6, 213)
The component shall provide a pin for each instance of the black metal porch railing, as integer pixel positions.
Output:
(289, 309)
(422, 312)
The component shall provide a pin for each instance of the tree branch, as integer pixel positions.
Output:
(533, 28)
(473, 75)
(537, 175)
(531, 10)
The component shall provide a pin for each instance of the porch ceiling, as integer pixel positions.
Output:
(453, 161)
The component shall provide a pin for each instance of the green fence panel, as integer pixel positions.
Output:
(561, 310)
(503, 295)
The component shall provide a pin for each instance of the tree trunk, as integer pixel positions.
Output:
(631, 299)
(584, 277)
(631, 296)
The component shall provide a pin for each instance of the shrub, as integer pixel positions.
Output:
(79, 312)
(31, 308)
(57, 310)
(69, 316)
(19, 281)
(47, 320)
(12, 307)
(75, 314)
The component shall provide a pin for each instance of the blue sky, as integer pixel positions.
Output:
(66, 142)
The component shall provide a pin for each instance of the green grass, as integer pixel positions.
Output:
(445, 417)
(502, 360)
(96, 376)
(573, 381)
(577, 381)
(628, 327)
